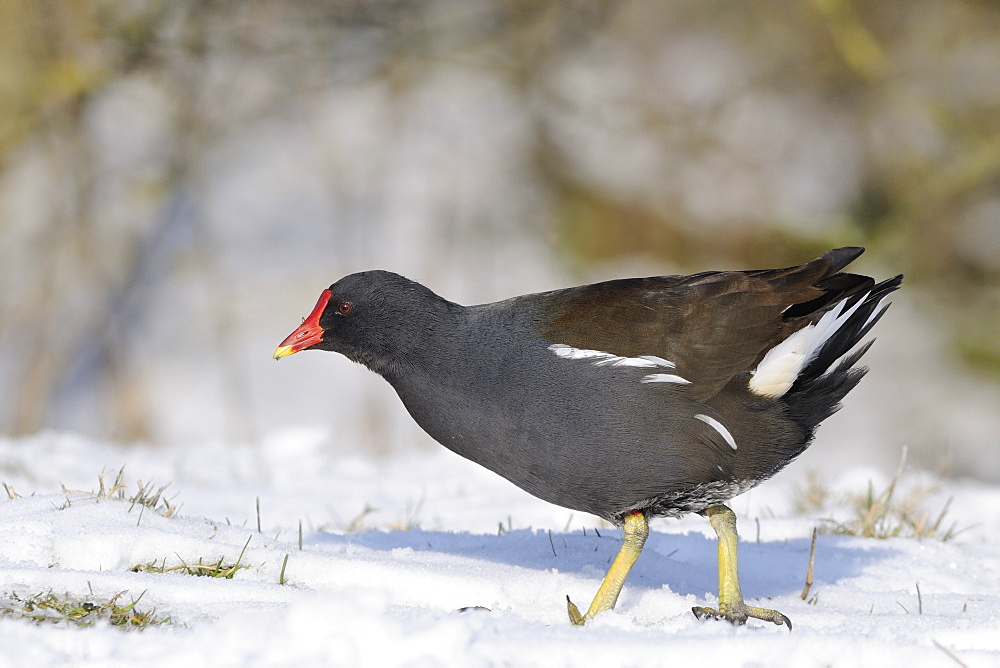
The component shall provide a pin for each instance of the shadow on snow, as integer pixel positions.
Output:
(686, 563)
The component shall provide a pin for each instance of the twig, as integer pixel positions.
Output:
(812, 563)
(552, 545)
(949, 653)
(920, 601)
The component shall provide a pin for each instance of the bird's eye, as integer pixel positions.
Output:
(344, 308)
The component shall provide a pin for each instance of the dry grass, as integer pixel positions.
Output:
(148, 494)
(886, 515)
(889, 513)
(361, 522)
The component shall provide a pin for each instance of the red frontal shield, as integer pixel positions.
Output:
(309, 332)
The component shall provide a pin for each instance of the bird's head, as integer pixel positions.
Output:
(369, 317)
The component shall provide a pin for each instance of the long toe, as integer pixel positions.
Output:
(738, 615)
(772, 616)
(575, 618)
(734, 618)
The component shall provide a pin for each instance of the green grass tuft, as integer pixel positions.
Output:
(47, 607)
(217, 569)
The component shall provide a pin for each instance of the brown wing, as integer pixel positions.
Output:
(712, 325)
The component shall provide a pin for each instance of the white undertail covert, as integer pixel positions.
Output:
(783, 363)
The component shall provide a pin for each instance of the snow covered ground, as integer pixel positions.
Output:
(361, 592)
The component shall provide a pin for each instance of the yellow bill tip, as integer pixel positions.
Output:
(283, 351)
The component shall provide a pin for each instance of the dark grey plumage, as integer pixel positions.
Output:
(553, 390)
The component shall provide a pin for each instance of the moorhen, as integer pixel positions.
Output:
(628, 399)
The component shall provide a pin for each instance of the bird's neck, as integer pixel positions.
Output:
(417, 348)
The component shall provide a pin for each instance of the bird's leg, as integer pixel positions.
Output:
(731, 605)
(636, 530)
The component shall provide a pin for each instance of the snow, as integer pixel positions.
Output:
(383, 597)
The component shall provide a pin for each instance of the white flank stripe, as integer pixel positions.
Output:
(665, 378)
(782, 364)
(719, 427)
(601, 358)
(659, 361)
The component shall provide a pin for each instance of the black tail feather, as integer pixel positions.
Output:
(835, 288)
(850, 333)
(819, 389)
(841, 257)
(810, 404)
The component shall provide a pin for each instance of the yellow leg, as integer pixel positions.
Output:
(636, 530)
(731, 604)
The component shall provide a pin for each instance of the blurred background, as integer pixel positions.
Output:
(179, 179)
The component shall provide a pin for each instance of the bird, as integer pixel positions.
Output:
(629, 399)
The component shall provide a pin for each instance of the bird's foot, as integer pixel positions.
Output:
(636, 529)
(738, 614)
